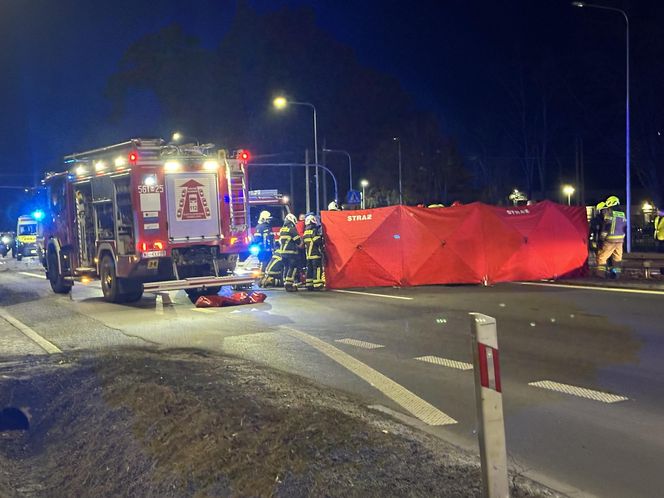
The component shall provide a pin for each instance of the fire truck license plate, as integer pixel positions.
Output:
(154, 254)
(153, 264)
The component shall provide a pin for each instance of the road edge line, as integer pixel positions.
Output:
(46, 345)
(624, 290)
(408, 400)
(373, 294)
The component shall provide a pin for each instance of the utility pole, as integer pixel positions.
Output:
(306, 181)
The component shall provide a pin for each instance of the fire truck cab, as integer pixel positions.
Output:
(144, 215)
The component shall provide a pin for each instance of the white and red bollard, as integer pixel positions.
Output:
(489, 398)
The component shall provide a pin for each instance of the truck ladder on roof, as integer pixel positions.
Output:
(237, 193)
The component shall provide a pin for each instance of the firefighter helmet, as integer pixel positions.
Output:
(612, 201)
(311, 220)
(290, 218)
(264, 216)
(333, 206)
(600, 205)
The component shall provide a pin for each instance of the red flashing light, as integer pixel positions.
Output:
(157, 245)
(133, 157)
(244, 155)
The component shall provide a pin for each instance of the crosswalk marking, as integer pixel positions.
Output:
(359, 344)
(417, 406)
(444, 362)
(581, 392)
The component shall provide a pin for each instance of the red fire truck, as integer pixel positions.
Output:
(144, 215)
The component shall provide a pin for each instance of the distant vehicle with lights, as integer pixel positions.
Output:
(147, 216)
(6, 244)
(28, 235)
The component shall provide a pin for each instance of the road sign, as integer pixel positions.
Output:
(353, 197)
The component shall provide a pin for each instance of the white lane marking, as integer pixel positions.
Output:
(418, 407)
(33, 275)
(46, 345)
(360, 344)
(444, 362)
(372, 294)
(591, 287)
(581, 392)
(89, 283)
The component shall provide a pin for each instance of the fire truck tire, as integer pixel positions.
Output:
(19, 257)
(110, 286)
(55, 278)
(132, 291)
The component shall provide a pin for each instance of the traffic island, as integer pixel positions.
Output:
(190, 423)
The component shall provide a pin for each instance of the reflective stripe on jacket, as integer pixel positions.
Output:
(289, 239)
(313, 242)
(659, 228)
(615, 225)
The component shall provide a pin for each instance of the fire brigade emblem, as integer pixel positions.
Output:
(193, 203)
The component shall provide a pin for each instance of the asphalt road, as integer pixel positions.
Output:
(603, 436)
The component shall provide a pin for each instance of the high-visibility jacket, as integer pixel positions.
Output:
(263, 236)
(289, 239)
(313, 242)
(659, 227)
(615, 226)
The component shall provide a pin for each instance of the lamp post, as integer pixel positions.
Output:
(398, 141)
(568, 190)
(628, 189)
(364, 184)
(350, 164)
(281, 103)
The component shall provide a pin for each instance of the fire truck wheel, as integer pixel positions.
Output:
(19, 257)
(57, 281)
(109, 281)
(132, 291)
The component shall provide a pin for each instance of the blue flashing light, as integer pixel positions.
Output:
(38, 215)
(254, 249)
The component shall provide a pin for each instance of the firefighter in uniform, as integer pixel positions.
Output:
(264, 239)
(290, 244)
(313, 248)
(596, 223)
(659, 230)
(612, 236)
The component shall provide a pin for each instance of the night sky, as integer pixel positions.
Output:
(457, 59)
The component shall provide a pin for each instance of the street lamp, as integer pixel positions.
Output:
(364, 184)
(177, 136)
(350, 164)
(628, 188)
(398, 141)
(568, 190)
(279, 104)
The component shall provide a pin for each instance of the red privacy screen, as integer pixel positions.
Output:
(475, 243)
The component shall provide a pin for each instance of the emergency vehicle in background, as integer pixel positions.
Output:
(144, 215)
(28, 235)
(268, 200)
